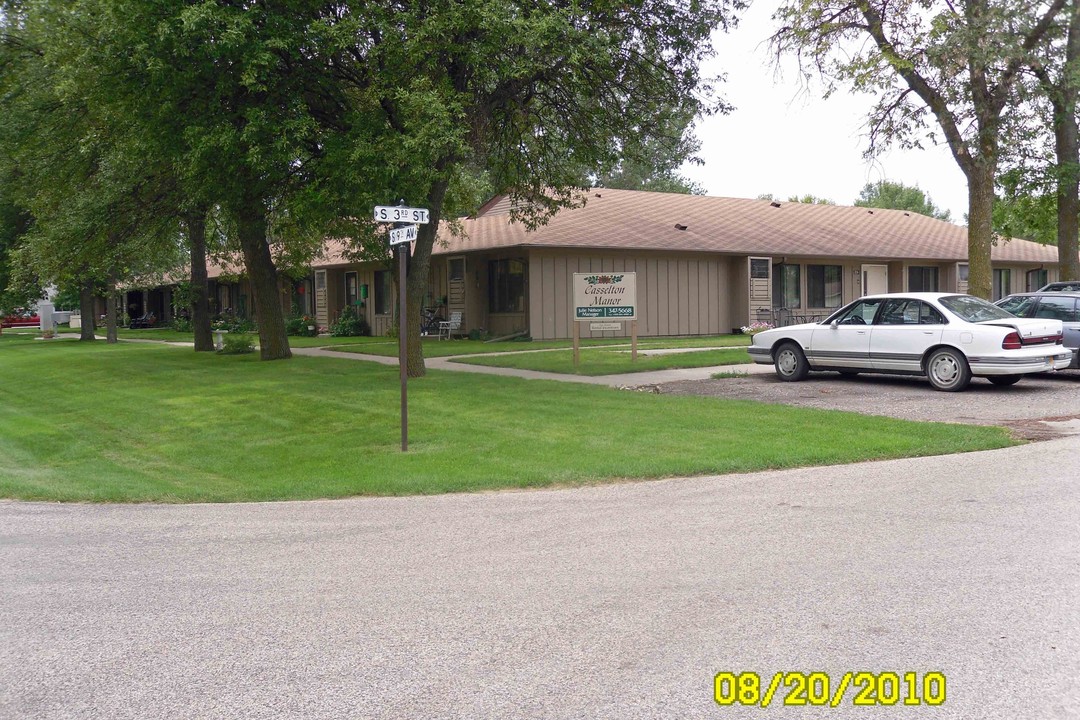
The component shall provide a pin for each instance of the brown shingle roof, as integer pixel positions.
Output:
(636, 220)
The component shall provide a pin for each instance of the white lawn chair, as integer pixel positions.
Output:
(451, 326)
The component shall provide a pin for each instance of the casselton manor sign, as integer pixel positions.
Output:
(599, 296)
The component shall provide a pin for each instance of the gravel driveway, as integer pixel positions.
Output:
(1038, 407)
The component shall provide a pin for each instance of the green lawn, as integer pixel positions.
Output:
(610, 362)
(153, 422)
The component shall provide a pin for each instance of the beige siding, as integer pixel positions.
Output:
(677, 295)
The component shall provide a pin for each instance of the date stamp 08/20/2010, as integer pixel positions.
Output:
(821, 689)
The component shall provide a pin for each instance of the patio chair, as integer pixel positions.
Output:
(146, 321)
(451, 326)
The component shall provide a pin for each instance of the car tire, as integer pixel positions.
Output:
(790, 362)
(1004, 379)
(948, 370)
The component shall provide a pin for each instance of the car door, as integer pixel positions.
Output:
(1063, 309)
(845, 342)
(902, 333)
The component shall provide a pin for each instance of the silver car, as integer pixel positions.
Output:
(1063, 286)
(1054, 305)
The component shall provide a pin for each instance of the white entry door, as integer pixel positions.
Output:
(875, 279)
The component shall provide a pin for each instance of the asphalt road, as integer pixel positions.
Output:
(618, 601)
(1022, 406)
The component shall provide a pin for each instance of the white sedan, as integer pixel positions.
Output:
(946, 337)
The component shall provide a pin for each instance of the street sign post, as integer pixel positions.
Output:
(401, 235)
(396, 214)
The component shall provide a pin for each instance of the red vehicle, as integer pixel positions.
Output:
(21, 318)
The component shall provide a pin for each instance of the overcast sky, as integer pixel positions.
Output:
(786, 141)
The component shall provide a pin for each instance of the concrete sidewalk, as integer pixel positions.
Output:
(622, 380)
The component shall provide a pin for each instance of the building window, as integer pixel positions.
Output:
(352, 289)
(384, 292)
(962, 272)
(1036, 279)
(457, 268)
(824, 286)
(922, 279)
(787, 283)
(506, 286)
(1002, 283)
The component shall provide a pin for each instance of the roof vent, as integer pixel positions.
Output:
(907, 214)
(775, 204)
(870, 212)
(680, 227)
(597, 194)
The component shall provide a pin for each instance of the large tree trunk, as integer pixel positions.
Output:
(1068, 198)
(200, 287)
(980, 228)
(110, 309)
(86, 308)
(251, 226)
(417, 280)
(1067, 147)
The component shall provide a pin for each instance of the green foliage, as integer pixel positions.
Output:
(182, 324)
(1019, 214)
(301, 326)
(350, 324)
(67, 296)
(237, 344)
(234, 324)
(651, 161)
(898, 196)
(938, 73)
(809, 199)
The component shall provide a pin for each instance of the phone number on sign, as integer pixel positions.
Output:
(819, 689)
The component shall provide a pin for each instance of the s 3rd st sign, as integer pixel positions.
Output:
(395, 214)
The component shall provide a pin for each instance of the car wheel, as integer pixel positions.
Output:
(948, 370)
(1004, 379)
(790, 362)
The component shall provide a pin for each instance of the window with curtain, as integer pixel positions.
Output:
(506, 286)
(384, 292)
(824, 286)
(922, 279)
(787, 285)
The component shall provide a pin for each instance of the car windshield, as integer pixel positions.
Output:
(973, 309)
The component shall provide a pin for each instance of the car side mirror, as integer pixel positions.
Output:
(835, 323)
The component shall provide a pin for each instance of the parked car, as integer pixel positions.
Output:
(947, 337)
(1063, 286)
(1056, 305)
(20, 318)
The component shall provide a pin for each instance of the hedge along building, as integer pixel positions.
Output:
(705, 265)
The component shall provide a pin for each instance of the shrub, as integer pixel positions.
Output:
(182, 324)
(238, 344)
(234, 324)
(298, 326)
(350, 324)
